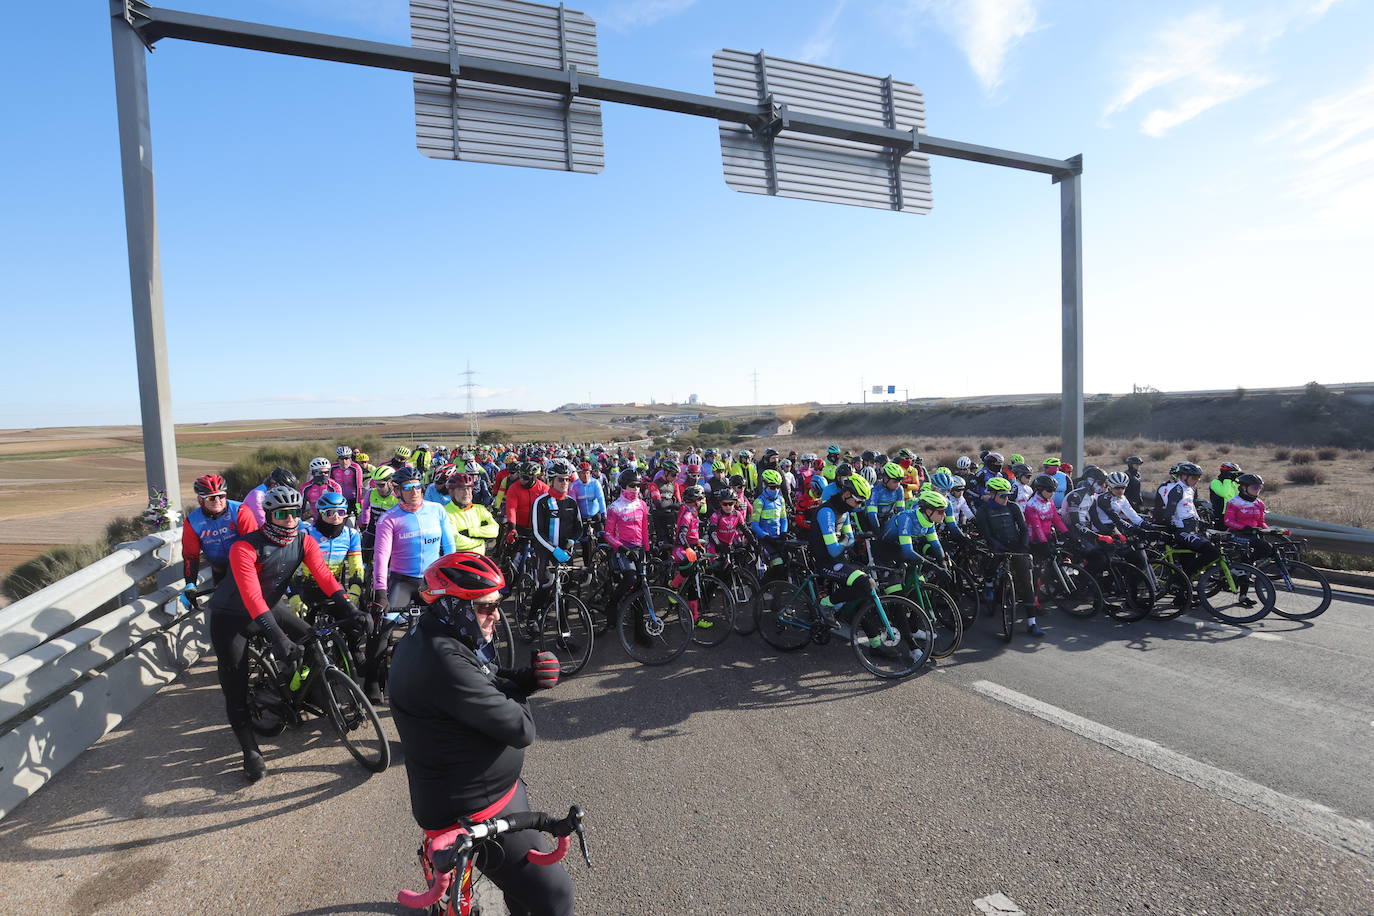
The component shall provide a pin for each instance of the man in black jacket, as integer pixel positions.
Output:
(1004, 531)
(465, 723)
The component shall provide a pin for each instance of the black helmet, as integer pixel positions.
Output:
(737, 481)
(869, 455)
(993, 459)
(669, 466)
(1134, 461)
(1044, 482)
(1094, 473)
(1188, 469)
(629, 479)
(405, 475)
(281, 477)
(694, 492)
(530, 469)
(1249, 480)
(844, 470)
(1020, 469)
(770, 453)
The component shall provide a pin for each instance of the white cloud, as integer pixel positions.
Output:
(1205, 59)
(985, 30)
(821, 42)
(633, 14)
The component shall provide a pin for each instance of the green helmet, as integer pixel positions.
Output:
(381, 473)
(1016, 459)
(999, 485)
(930, 499)
(1050, 463)
(772, 478)
(904, 453)
(717, 465)
(855, 484)
(402, 452)
(893, 471)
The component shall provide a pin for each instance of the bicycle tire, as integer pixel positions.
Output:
(1175, 595)
(1137, 593)
(503, 641)
(1006, 607)
(715, 606)
(1218, 600)
(662, 641)
(786, 616)
(966, 593)
(266, 703)
(1287, 588)
(356, 722)
(1077, 595)
(745, 587)
(884, 651)
(569, 635)
(944, 615)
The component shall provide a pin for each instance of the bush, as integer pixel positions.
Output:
(1327, 454)
(897, 446)
(47, 568)
(1281, 454)
(1223, 449)
(1302, 458)
(489, 436)
(1095, 449)
(1303, 476)
(716, 428)
(1160, 452)
(1052, 447)
(1189, 446)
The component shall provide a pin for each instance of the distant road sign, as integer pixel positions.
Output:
(814, 167)
(877, 389)
(891, 389)
(480, 122)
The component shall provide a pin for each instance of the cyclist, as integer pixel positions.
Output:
(365, 462)
(400, 457)
(209, 530)
(1053, 467)
(963, 466)
(437, 491)
(729, 522)
(720, 480)
(745, 468)
(350, 477)
(687, 539)
(339, 542)
(1043, 522)
(421, 457)
(832, 462)
(1181, 515)
(922, 521)
(471, 523)
(768, 521)
(1245, 515)
(1106, 518)
(992, 467)
(831, 535)
(589, 494)
(1133, 464)
(1021, 484)
(960, 512)
(556, 525)
(520, 497)
(627, 531)
(1076, 502)
(249, 602)
(1004, 530)
(868, 466)
(277, 477)
(888, 497)
(319, 483)
(789, 480)
(914, 469)
(465, 723)
(1223, 489)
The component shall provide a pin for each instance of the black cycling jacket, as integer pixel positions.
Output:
(464, 725)
(1003, 527)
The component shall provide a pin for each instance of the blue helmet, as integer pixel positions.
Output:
(942, 480)
(331, 500)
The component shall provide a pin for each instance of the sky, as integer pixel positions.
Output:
(315, 264)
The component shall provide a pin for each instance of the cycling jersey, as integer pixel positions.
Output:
(434, 495)
(375, 505)
(1108, 514)
(316, 487)
(342, 551)
(254, 502)
(831, 531)
(882, 506)
(769, 518)
(1075, 506)
(959, 513)
(1221, 493)
(729, 525)
(408, 541)
(1179, 508)
(261, 570)
(201, 534)
(1061, 487)
(589, 496)
(470, 526)
(1003, 527)
(556, 524)
(1021, 493)
(520, 500)
(909, 526)
(349, 476)
(1242, 513)
(687, 532)
(1042, 519)
(627, 521)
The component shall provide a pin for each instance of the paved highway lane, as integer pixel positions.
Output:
(742, 781)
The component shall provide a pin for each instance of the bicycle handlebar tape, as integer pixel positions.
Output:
(545, 669)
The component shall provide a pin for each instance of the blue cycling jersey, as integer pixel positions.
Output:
(335, 550)
(434, 495)
(591, 499)
(407, 542)
(215, 534)
(904, 529)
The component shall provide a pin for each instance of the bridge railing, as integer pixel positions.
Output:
(81, 654)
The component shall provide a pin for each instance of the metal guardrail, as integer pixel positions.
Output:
(78, 656)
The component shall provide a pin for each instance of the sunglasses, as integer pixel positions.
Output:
(487, 607)
(410, 486)
(215, 496)
(333, 513)
(281, 515)
(560, 477)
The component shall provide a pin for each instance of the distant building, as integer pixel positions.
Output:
(691, 399)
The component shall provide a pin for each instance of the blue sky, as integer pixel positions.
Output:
(315, 264)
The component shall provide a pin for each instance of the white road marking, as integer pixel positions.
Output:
(1301, 816)
(997, 904)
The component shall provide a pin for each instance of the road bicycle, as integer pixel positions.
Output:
(563, 626)
(710, 599)
(452, 854)
(654, 623)
(735, 567)
(1064, 584)
(909, 580)
(1301, 591)
(1229, 590)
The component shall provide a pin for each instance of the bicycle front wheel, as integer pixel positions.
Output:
(503, 641)
(1175, 591)
(1301, 592)
(1070, 589)
(745, 589)
(944, 614)
(356, 722)
(568, 635)
(1246, 595)
(786, 615)
(1006, 607)
(657, 628)
(895, 643)
(714, 613)
(1137, 593)
(266, 704)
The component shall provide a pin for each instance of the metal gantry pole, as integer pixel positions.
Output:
(145, 273)
(1071, 279)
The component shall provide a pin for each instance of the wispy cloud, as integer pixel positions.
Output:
(1205, 59)
(634, 14)
(985, 30)
(821, 41)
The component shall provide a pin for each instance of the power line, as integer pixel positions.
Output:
(471, 388)
(756, 387)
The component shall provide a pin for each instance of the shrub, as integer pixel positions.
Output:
(1303, 476)
(1189, 446)
(1095, 448)
(1194, 458)
(1223, 449)
(1159, 452)
(488, 436)
(946, 462)
(1302, 458)
(931, 449)
(47, 568)
(716, 427)
(1281, 454)
(1327, 454)
(1051, 446)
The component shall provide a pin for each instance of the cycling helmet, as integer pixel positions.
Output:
(1094, 473)
(401, 453)
(957, 483)
(629, 479)
(281, 498)
(1066, 468)
(1017, 459)
(585, 466)
(1188, 469)
(463, 575)
(728, 495)
(893, 471)
(717, 465)
(209, 485)
(736, 481)
(1019, 469)
(745, 454)
(855, 485)
(832, 450)
(785, 464)
(1134, 461)
(363, 457)
(999, 485)
(694, 492)
(1250, 480)
(770, 453)
(1173, 470)
(382, 474)
(904, 453)
(405, 475)
(929, 499)
(331, 502)
(816, 486)
(869, 455)
(529, 470)
(442, 474)
(281, 477)
(423, 447)
(943, 480)
(1044, 482)
(1050, 463)
(669, 466)
(1230, 467)
(1118, 479)
(964, 463)
(710, 453)
(561, 467)
(461, 480)
(772, 478)
(319, 465)
(992, 460)
(845, 469)
(343, 451)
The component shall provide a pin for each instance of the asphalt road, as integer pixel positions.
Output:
(1169, 768)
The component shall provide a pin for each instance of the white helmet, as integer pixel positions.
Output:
(1117, 479)
(319, 465)
(344, 451)
(964, 463)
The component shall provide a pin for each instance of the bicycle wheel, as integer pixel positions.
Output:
(745, 588)
(356, 722)
(657, 631)
(1006, 607)
(1175, 592)
(568, 635)
(944, 615)
(966, 593)
(1070, 589)
(266, 704)
(884, 649)
(1137, 593)
(1300, 591)
(503, 641)
(786, 615)
(715, 611)
(1248, 596)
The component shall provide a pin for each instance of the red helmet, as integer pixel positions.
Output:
(462, 575)
(1230, 466)
(209, 485)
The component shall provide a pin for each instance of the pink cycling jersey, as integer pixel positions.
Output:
(1243, 513)
(1042, 519)
(627, 522)
(687, 533)
(729, 526)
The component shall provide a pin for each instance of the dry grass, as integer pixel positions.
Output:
(1328, 454)
(1305, 476)
(1302, 458)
